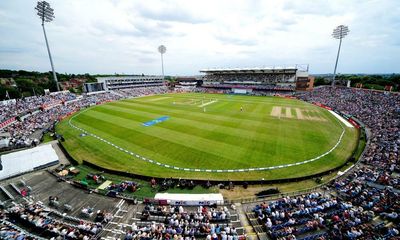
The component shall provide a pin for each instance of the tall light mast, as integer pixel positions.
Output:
(46, 14)
(339, 32)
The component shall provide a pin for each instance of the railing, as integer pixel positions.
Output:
(273, 196)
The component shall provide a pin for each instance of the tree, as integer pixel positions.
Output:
(320, 81)
(12, 92)
(25, 84)
(72, 90)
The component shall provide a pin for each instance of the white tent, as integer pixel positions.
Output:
(4, 139)
(191, 199)
(27, 160)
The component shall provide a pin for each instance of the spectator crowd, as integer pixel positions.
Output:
(37, 114)
(245, 78)
(180, 223)
(366, 203)
(37, 219)
(350, 210)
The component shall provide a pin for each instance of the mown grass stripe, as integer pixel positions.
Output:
(191, 154)
(198, 128)
(253, 144)
(231, 152)
(269, 128)
(231, 109)
(224, 115)
(216, 118)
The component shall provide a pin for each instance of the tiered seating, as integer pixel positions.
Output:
(9, 230)
(39, 113)
(201, 222)
(368, 192)
(38, 219)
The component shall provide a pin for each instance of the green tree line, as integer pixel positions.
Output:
(377, 82)
(28, 83)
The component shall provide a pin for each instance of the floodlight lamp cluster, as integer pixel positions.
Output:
(340, 31)
(44, 11)
(162, 49)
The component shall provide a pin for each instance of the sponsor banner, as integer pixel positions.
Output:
(322, 105)
(50, 106)
(105, 101)
(354, 123)
(286, 96)
(191, 203)
(7, 122)
(190, 199)
(67, 115)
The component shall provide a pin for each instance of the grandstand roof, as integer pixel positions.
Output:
(251, 70)
(191, 199)
(133, 77)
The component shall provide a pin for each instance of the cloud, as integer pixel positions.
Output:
(236, 40)
(170, 12)
(108, 36)
(13, 50)
(324, 8)
(155, 29)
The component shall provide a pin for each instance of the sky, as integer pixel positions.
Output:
(122, 36)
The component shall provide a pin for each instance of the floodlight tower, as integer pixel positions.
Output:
(46, 14)
(339, 32)
(162, 49)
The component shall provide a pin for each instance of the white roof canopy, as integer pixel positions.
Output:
(191, 199)
(27, 160)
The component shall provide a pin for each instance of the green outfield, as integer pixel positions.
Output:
(209, 136)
